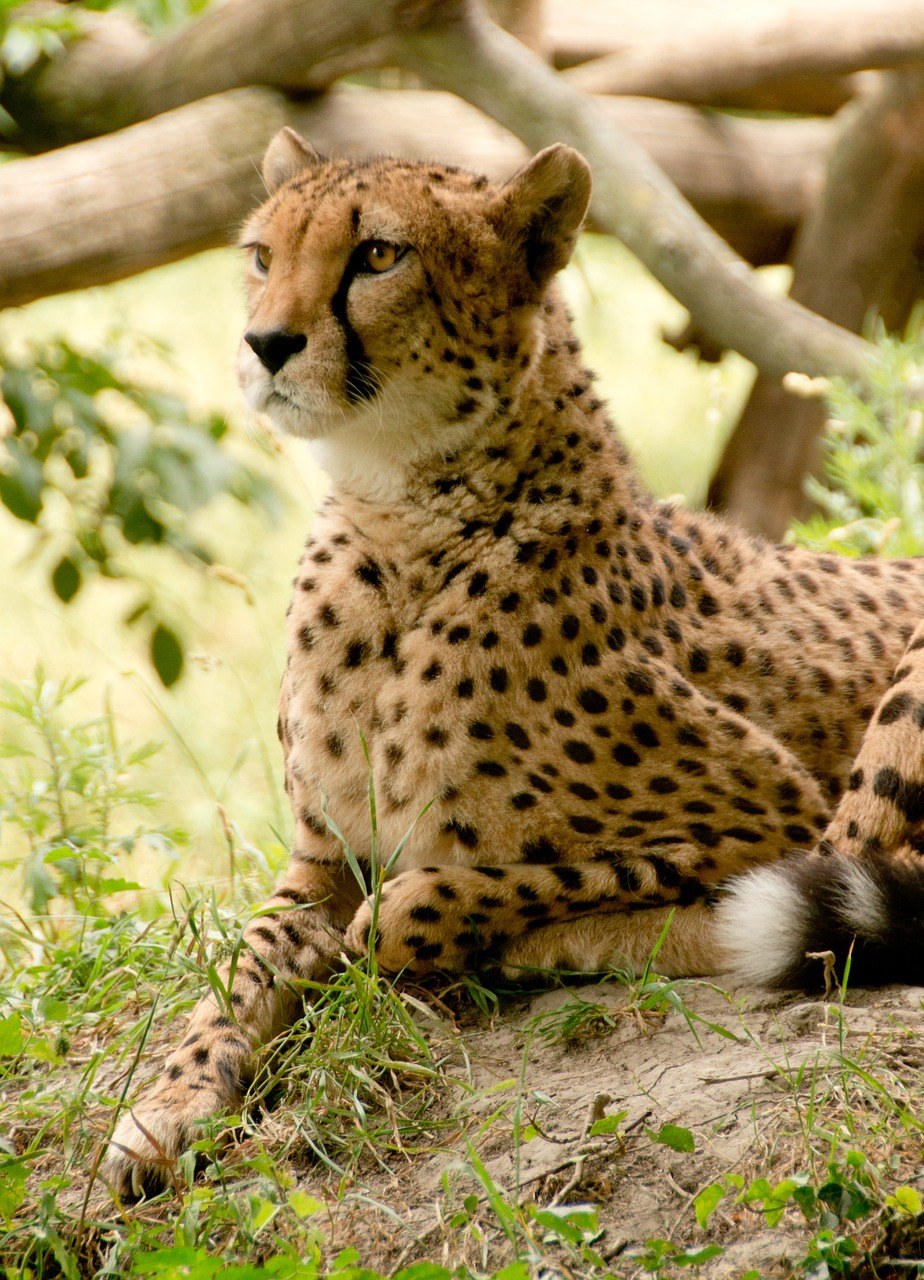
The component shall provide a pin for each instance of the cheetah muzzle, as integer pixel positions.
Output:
(596, 708)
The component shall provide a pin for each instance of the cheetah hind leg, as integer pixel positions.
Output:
(861, 893)
(622, 940)
(452, 918)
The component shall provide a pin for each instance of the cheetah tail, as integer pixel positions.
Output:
(770, 918)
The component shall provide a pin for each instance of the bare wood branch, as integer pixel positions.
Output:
(805, 93)
(465, 53)
(858, 252)
(112, 206)
(747, 43)
(523, 19)
(757, 54)
(118, 76)
(184, 181)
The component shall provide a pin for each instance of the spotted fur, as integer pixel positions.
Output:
(583, 708)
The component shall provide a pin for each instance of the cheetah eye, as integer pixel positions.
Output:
(262, 257)
(377, 256)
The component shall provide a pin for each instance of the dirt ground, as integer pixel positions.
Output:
(758, 1084)
(776, 1099)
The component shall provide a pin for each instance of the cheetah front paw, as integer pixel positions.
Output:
(153, 1134)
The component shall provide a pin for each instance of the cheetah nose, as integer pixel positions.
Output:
(275, 348)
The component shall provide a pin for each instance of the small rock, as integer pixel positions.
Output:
(804, 1019)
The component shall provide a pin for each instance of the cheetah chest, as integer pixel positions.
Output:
(364, 698)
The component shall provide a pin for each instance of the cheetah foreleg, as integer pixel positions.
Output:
(291, 942)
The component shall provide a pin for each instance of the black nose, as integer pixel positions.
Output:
(275, 347)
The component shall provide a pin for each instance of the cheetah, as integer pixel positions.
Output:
(585, 711)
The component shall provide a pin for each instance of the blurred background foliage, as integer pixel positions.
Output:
(99, 464)
(870, 498)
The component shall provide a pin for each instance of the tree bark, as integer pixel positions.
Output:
(523, 19)
(106, 208)
(118, 75)
(859, 252)
(632, 199)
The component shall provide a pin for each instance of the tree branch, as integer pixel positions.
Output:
(693, 57)
(183, 181)
(465, 53)
(118, 76)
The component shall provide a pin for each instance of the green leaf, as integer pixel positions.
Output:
(21, 488)
(166, 654)
(11, 1037)
(39, 884)
(12, 1187)
(907, 1199)
(674, 1136)
(696, 1257)
(163, 1259)
(348, 1257)
(54, 1010)
(262, 1211)
(707, 1202)
(513, 1271)
(118, 885)
(607, 1125)
(66, 579)
(138, 525)
(570, 1223)
(42, 1051)
(423, 1271)
(804, 1197)
(759, 1189)
(304, 1206)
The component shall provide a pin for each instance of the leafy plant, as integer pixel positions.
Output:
(28, 33)
(361, 1072)
(99, 465)
(839, 1208)
(648, 993)
(870, 498)
(67, 797)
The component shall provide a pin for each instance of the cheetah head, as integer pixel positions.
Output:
(392, 305)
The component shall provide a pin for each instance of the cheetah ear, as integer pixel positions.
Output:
(287, 156)
(541, 208)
